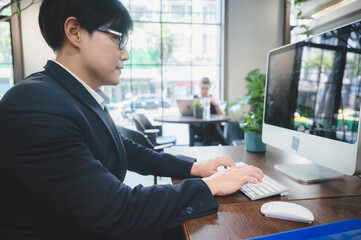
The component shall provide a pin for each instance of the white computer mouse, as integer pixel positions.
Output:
(287, 211)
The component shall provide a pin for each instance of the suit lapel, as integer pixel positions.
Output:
(78, 91)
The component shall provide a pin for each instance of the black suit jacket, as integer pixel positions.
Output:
(62, 164)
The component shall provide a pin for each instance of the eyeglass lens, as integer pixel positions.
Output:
(122, 41)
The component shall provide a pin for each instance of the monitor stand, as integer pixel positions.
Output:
(310, 172)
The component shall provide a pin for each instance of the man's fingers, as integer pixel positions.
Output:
(251, 179)
(251, 171)
(225, 161)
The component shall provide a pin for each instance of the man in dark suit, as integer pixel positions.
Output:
(62, 162)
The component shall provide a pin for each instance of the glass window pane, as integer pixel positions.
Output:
(144, 10)
(207, 11)
(177, 43)
(206, 42)
(145, 42)
(298, 23)
(147, 96)
(139, 90)
(178, 82)
(6, 60)
(179, 11)
(7, 11)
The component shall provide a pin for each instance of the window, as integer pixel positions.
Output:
(6, 58)
(298, 22)
(308, 17)
(173, 45)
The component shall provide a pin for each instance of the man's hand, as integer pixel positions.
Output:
(230, 180)
(215, 104)
(208, 167)
(212, 100)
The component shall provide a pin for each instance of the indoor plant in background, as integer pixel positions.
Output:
(252, 128)
(251, 122)
(197, 108)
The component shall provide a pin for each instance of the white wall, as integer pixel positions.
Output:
(254, 27)
(36, 51)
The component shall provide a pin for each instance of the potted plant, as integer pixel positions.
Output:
(251, 123)
(252, 128)
(197, 108)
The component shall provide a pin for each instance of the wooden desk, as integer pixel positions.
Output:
(240, 218)
(191, 121)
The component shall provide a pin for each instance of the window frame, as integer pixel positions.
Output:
(16, 44)
(17, 47)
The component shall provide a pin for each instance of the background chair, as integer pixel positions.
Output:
(142, 139)
(233, 133)
(154, 133)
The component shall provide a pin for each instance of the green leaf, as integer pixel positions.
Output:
(253, 122)
(197, 103)
(17, 3)
(300, 1)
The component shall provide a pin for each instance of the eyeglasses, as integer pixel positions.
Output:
(122, 38)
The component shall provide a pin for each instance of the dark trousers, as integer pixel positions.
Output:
(211, 133)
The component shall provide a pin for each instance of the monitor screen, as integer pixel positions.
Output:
(313, 94)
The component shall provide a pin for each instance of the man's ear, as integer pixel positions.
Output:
(72, 31)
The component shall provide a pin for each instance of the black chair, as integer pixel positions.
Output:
(232, 132)
(142, 139)
(154, 133)
(198, 140)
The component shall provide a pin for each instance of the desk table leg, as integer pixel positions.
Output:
(191, 135)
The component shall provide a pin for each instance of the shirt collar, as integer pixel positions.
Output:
(97, 94)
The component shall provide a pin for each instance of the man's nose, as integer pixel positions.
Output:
(124, 55)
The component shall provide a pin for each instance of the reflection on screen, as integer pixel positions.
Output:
(315, 86)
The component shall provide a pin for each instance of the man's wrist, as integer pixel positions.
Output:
(209, 183)
(195, 169)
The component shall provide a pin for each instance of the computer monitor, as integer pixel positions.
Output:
(312, 103)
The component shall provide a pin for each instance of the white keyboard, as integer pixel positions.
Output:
(269, 187)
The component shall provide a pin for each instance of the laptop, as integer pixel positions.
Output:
(185, 107)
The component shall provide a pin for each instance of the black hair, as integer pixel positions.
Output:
(205, 80)
(90, 14)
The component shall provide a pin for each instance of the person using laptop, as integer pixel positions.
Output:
(62, 161)
(211, 133)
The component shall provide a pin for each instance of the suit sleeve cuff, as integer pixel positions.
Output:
(204, 204)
